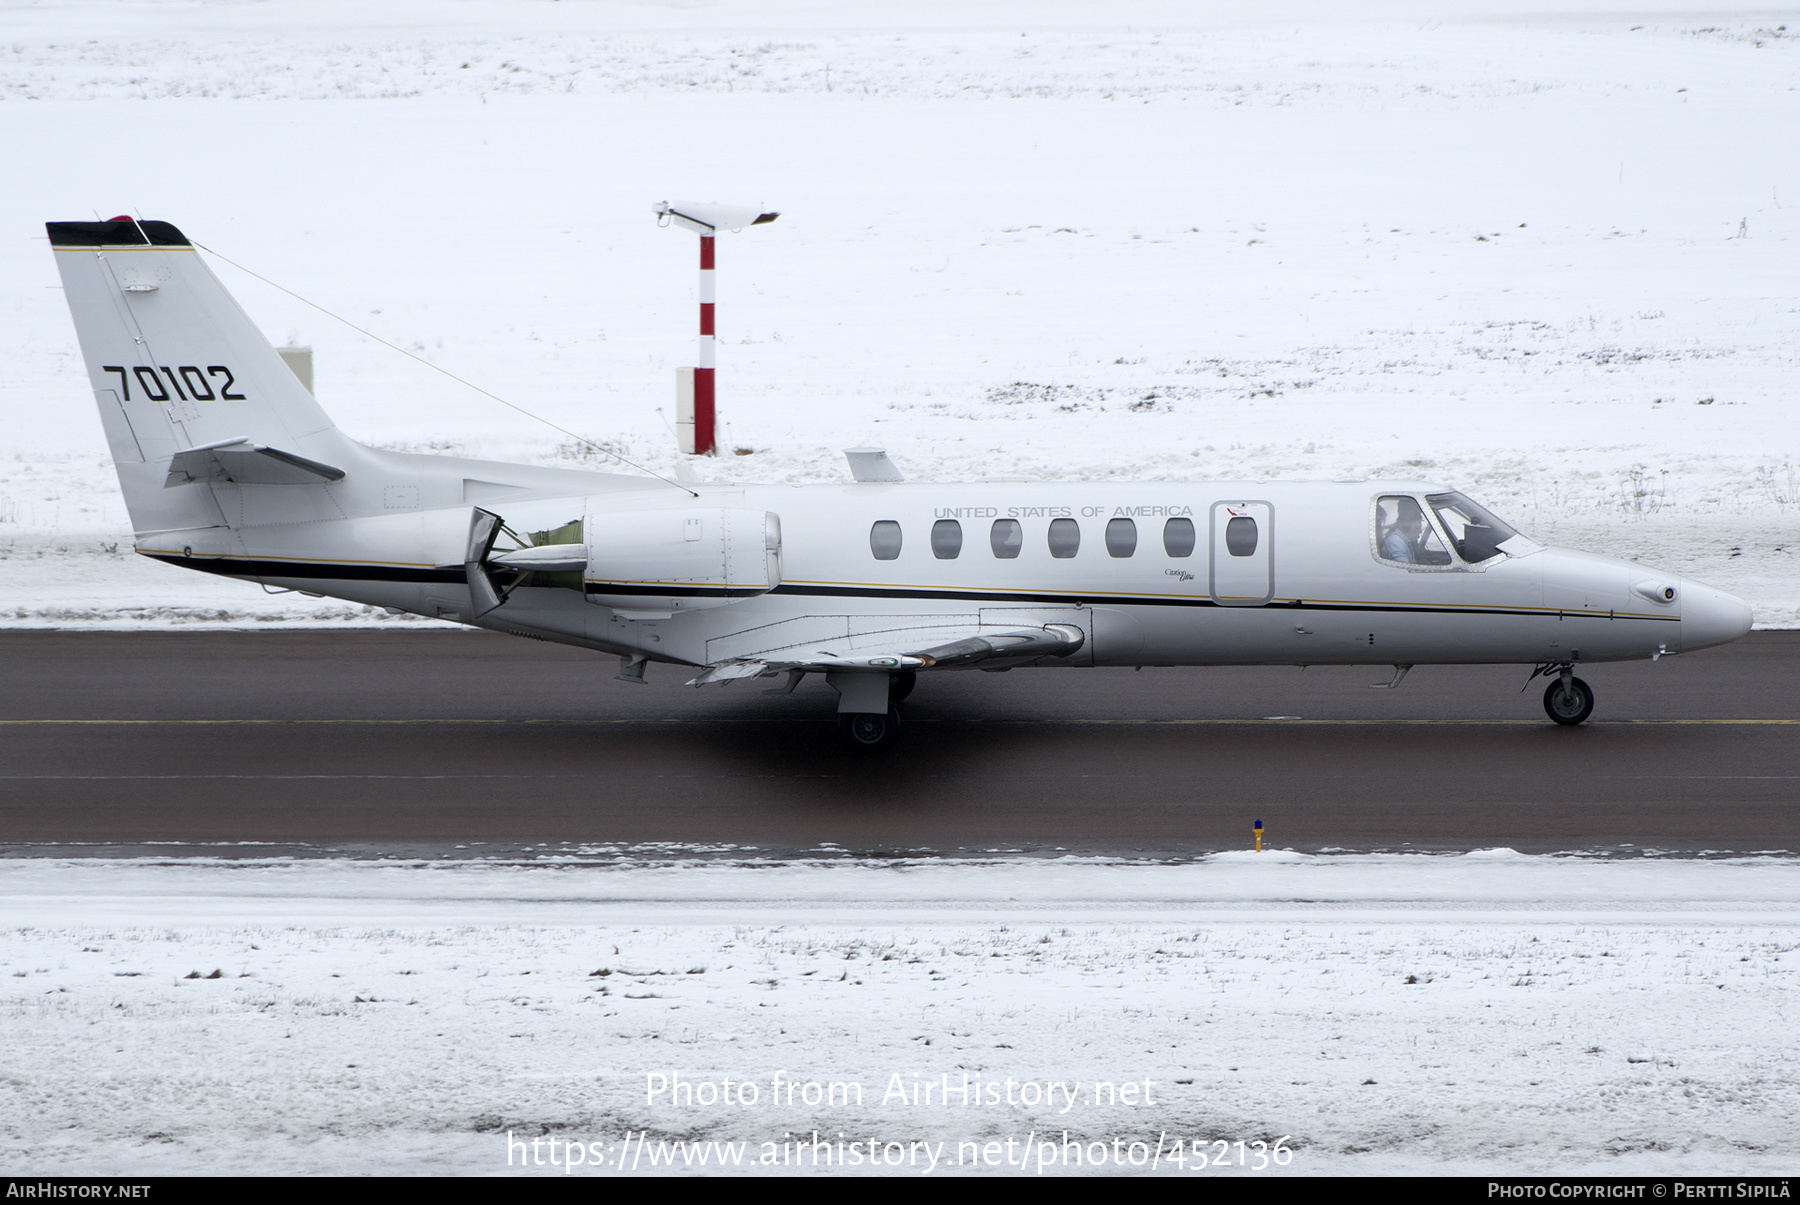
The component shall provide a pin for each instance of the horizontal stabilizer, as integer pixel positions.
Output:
(246, 463)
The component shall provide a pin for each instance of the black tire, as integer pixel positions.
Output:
(900, 684)
(869, 731)
(1568, 706)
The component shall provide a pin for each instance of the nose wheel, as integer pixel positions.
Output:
(1568, 700)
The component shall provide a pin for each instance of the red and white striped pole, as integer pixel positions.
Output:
(705, 415)
(696, 413)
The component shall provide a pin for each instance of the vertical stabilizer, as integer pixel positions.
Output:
(175, 364)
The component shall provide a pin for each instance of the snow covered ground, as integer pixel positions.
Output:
(1491, 1013)
(1549, 259)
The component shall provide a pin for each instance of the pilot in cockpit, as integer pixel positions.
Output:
(1402, 540)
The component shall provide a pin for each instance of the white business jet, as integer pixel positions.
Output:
(229, 466)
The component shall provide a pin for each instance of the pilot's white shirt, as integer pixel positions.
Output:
(1396, 547)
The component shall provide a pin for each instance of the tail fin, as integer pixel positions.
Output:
(176, 365)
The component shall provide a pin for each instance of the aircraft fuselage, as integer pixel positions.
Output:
(1144, 570)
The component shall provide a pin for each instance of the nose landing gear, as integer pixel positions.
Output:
(1567, 700)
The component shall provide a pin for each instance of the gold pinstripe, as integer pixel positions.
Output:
(1324, 602)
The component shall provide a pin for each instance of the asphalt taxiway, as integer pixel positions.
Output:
(437, 742)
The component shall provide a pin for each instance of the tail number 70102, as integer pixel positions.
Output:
(188, 374)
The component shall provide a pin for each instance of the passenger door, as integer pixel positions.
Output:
(1242, 561)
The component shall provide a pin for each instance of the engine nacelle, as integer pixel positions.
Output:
(666, 561)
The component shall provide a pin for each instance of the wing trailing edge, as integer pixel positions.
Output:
(1014, 646)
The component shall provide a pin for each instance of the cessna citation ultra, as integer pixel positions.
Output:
(229, 466)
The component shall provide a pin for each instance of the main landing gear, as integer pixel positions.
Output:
(869, 731)
(875, 731)
(1567, 700)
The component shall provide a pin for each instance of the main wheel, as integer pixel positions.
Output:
(869, 731)
(900, 684)
(1569, 706)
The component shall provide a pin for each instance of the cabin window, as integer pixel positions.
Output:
(946, 539)
(1178, 537)
(1474, 532)
(1121, 537)
(884, 540)
(1240, 536)
(1065, 538)
(1404, 536)
(1007, 537)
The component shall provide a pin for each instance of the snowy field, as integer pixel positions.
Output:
(1491, 1013)
(1551, 260)
(1548, 259)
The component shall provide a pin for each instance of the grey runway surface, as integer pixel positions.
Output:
(460, 743)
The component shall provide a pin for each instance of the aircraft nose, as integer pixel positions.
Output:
(1710, 617)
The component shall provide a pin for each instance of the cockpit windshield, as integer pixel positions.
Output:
(1473, 530)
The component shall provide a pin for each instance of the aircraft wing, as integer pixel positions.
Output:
(933, 648)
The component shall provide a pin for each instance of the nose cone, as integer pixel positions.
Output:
(1710, 617)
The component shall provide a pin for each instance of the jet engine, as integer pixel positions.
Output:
(667, 561)
(647, 561)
